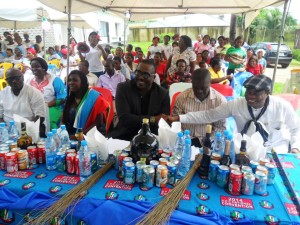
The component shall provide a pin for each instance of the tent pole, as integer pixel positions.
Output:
(83, 32)
(281, 36)
(69, 36)
(124, 35)
(44, 36)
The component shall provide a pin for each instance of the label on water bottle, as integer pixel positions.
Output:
(50, 160)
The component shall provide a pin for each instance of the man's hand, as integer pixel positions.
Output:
(229, 77)
(158, 117)
(295, 151)
(171, 119)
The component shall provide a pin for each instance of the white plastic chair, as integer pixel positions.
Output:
(178, 87)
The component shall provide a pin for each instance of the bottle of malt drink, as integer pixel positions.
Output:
(79, 137)
(242, 159)
(226, 160)
(24, 140)
(207, 148)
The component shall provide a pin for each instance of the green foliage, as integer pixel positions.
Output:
(296, 54)
(161, 37)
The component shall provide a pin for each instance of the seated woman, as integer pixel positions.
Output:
(160, 69)
(84, 108)
(254, 67)
(216, 73)
(181, 75)
(52, 88)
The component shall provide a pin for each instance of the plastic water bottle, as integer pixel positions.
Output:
(225, 135)
(56, 139)
(64, 136)
(13, 131)
(178, 148)
(218, 146)
(3, 133)
(50, 152)
(85, 169)
(185, 163)
(232, 151)
(187, 134)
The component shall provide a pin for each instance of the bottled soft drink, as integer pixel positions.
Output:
(187, 134)
(50, 152)
(178, 148)
(64, 136)
(232, 151)
(207, 146)
(85, 169)
(13, 131)
(218, 146)
(3, 133)
(242, 159)
(56, 139)
(185, 163)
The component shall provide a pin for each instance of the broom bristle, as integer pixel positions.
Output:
(70, 198)
(163, 210)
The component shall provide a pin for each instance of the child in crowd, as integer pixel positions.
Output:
(181, 75)
(254, 67)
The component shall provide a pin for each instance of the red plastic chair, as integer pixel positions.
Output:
(225, 90)
(174, 97)
(108, 96)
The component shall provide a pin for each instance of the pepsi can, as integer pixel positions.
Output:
(260, 187)
(223, 176)
(248, 183)
(129, 173)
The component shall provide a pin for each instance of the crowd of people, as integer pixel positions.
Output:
(138, 82)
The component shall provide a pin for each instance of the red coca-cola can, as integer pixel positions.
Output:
(70, 151)
(120, 160)
(235, 182)
(70, 161)
(32, 156)
(41, 152)
(11, 159)
(2, 159)
(77, 170)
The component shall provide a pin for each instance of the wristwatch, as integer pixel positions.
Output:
(152, 119)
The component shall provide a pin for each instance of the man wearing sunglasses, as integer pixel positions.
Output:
(21, 99)
(140, 98)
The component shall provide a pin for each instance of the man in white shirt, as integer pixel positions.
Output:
(167, 48)
(92, 78)
(21, 99)
(271, 116)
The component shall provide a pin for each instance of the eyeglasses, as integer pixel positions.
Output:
(144, 74)
(11, 79)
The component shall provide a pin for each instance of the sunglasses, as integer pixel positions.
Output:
(144, 74)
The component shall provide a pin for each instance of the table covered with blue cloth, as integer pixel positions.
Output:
(110, 202)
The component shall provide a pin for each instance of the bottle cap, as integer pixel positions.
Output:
(54, 131)
(83, 143)
(146, 120)
(229, 137)
(49, 134)
(2, 124)
(226, 133)
(63, 127)
(180, 134)
(208, 128)
(11, 122)
(188, 141)
(187, 132)
(218, 134)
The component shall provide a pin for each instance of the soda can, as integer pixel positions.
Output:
(66, 146)
(125, 160)
(70, 163)
(13, 145)
(121, 157)
(117, 153)
(32, 156)
(222, 176)
(77, 170)
(161, 176)
(61, 162)
(246, 169)
(41, 150)
(129, 173)
(166, 156)
(234, 167)
(11, 159)
(263, 161)
(261, 180)
(235, 182)
(70, 150)
(173, 159)
(216, 156)
(128, 151)
(14, 150)
(271, 173)
(168, 152)
(172, 170)
(262, 169)
(94, 162)
(253, 165)
(2, 159)
(139, 171)
(248, 183)
(3, 145)
(154, 163)
(73, 145)
(163, 161)
(23, 163)
(148, 177)
(213, 168)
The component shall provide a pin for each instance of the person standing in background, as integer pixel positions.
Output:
(167, 48)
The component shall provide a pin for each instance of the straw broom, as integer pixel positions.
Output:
(163, 210)
(70, 199)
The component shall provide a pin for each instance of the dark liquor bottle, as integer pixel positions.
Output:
(144, 146)
(226, 160)
(207, 147)
(79, 137)
(242, 159)
(25, 140)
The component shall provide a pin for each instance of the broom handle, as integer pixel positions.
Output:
(280, 167)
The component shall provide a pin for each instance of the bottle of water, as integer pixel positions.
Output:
(85, 169)
(218, 146)
(232, 151)
(64, 136)
(225, 135)
(187, 134)
(13, 131)
(178, 148)
(50, 152)
(3, 133)
(185, 163)
(56, 139)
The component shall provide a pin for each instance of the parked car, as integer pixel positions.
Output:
(285, 53)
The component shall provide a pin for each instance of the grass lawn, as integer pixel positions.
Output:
(278, 88)
(295, 63)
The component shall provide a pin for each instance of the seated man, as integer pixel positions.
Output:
(111, 78)
(92, 78)
(21, 99)
(259, 111)
(200, 97)
(137, 99)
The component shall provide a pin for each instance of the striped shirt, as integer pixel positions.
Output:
(188, 102)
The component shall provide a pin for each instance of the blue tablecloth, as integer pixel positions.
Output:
(111, 202)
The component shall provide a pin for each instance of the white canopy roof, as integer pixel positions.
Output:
(147, 9)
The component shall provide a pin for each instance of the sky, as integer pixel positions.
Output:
(294, 9)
